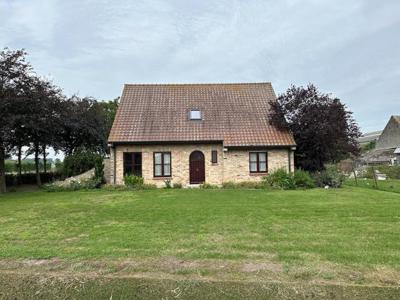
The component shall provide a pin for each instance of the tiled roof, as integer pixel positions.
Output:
(236, 114)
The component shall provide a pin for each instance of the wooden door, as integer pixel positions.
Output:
(196, 167)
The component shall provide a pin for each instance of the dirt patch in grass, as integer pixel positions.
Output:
(208, 269)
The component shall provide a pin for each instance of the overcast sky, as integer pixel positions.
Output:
(348, 48)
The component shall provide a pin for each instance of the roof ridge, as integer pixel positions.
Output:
(199, 83)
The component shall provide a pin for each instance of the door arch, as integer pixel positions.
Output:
(197, 172)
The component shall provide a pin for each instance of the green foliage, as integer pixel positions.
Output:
(369, 146)
(303, 179)
(393, 172)
(329, 177)
(99, 169)
(244, 185)
(168, 183)
(133, 181)
(79, 162)
(90, 184)
(281, 179)
(177, 185)
(208, 186)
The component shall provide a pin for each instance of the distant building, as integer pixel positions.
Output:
(369, 137)
(387, 149)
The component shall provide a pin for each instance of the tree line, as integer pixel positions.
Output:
(35, 113)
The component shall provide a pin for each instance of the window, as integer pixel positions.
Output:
(133, 163)
(162, 164)
(258, 162)
(214, 156)
(195, 114)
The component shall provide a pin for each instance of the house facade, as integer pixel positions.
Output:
(197, 133)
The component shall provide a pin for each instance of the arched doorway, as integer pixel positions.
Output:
(196, 167)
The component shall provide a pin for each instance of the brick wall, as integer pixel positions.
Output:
(233, 165)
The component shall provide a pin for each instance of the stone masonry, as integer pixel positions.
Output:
(232, 166)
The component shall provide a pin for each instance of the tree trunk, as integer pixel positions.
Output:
(19, 164)
(2, 170)
(44, 159)
(38, 180)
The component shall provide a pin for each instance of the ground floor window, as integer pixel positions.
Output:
(162, 164)
(258, 162)
(133, 163)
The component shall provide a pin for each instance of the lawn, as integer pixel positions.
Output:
(389, 185)
(339, 236)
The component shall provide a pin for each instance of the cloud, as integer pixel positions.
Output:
(348, 48)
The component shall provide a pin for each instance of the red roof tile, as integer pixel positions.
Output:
(236, 114)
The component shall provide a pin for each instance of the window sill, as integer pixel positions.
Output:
(162, 177)
(259, 174)
(214, 164)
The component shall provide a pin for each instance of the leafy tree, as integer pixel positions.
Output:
(83, 126)
(323, 128)
(13, 72)
(42, 102)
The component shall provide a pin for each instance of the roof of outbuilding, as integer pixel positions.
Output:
(236, 114)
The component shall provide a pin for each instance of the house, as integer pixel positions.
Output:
(387, 149)
(197, 133)
(369, 137)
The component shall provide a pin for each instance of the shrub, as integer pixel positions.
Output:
(30, 178)
(168, 184)
(177, 185)
(208, 186)
(393, 172)
(229, 185)
(329, 177)
(89, 184)
(303, 179)
(281, 179)
(79, 162)
(133, 181)
(99, 169)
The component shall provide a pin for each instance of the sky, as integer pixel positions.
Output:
(350, 49)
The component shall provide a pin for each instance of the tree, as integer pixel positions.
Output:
(13, 72)
(108, 111)
(323, 128)
(42, 113)
(85, 125)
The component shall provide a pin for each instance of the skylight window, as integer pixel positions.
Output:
(195, 114)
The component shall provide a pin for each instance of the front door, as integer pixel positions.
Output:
(196, 167)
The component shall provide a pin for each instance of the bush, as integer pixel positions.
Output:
(133, 181)
(89, 184)
(99, 169)
(79, 162)
(30, 178)
(208, 186)
(329, 177)
(303, 179)
(393, 172)
(177, 186)
(244, 185)
(281, 179)
(168, 184)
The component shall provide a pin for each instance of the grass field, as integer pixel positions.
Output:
(336, 236)
(389, 185)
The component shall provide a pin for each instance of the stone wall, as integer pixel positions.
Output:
(236, 164)
(179, 160)
(233, 165)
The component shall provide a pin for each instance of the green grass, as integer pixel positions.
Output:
(148, 243)
(346, 226)
(389, 185)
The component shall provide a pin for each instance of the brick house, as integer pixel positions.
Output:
(197, 133)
